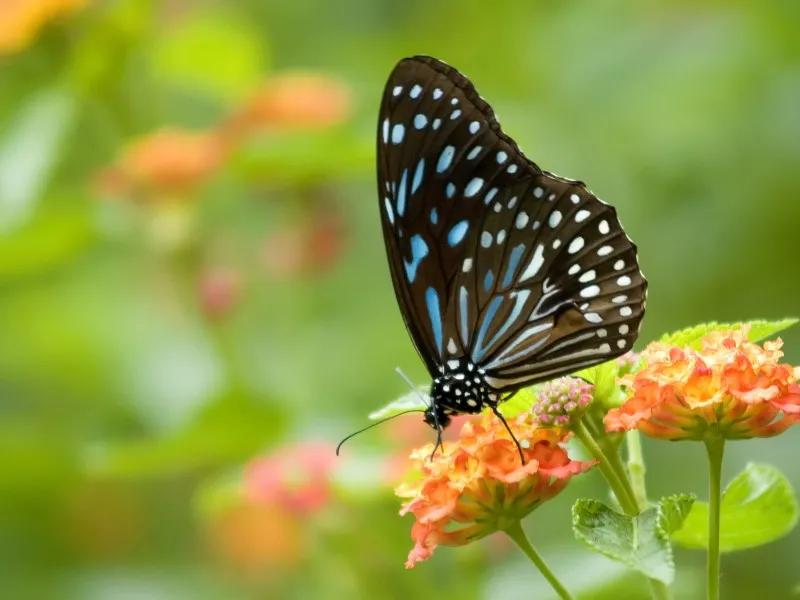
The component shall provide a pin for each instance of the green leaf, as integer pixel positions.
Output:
(604, 379)
(641, 542)
(519, 403)
(417, 400)
(232, 429)
(758, 507)
(29, 149)
(214, 51)
(759, 330)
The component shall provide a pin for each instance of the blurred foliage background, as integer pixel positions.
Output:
(194, 300)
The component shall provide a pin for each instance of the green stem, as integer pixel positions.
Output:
(618, 481)
(715, 447)
(632, 495)
(516, 533)
(636, 467)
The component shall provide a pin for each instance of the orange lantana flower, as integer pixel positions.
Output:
(478, 485)
(731, 388)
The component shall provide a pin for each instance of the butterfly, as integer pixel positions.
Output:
(506, 275)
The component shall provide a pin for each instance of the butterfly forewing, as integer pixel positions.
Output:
(527, 274)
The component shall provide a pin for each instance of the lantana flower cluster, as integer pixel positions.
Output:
(561, 401)
(477, 484)
(730, 387)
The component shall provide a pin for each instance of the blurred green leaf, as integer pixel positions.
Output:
(51, 239)
(29, 148)
(520, 402)
(759, 330)
(217, 52)
(417, 400)
(758, 507)
(640, 542)
(230, 429)
(215, 494)
(304, 156)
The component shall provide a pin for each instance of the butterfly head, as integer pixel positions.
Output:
(437, 417)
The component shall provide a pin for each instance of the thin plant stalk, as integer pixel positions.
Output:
(516, 533)
(715, 448)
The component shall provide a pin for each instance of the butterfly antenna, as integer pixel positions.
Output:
(410, 383)
(371, 425)
(511, 433)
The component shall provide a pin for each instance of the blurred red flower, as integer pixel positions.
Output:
(296, 477)
(730, 387)
(21, 20)
(478, 485)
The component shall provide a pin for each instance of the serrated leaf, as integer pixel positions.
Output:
(417, 400)
(641, 542)
(759, 330)
(519, 403)
(604, 379)
(672, 512)
(758, 507)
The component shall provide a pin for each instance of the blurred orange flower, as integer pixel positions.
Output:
(168, 161)
(257, 538)
(296, 477)
(295, 100)
(478, 485)
(21, 20)
(731, 387)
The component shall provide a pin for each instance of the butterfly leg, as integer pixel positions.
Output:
(511, 433)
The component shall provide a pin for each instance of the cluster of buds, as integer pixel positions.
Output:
(561, 401)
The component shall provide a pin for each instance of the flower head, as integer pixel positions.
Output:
(729, 387)
(562, 400)
(478, 485)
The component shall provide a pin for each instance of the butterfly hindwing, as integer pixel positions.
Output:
(526, 273)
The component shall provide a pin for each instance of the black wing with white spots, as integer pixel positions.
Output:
(495, 262)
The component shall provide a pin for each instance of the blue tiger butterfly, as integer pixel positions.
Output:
(506, 275)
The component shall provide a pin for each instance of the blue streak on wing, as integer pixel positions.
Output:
(513, 263)
(457, 233)
(435, 315)
(401, 194)
(418, 173)
(419, 250)
(463, 298)
(488, 280)
(491, 310)
(520, 302)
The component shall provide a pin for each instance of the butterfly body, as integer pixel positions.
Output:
(461, 388)
(506, 275)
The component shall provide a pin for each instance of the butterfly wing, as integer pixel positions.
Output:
(483, 245)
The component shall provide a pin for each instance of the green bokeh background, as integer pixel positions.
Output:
(125, 410)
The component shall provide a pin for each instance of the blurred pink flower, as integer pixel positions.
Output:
(219, 289)
(296, 477)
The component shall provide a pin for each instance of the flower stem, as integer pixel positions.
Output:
(636, 467)
(615, 478)
(516, 533)
(632, 495)
(715, 447)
